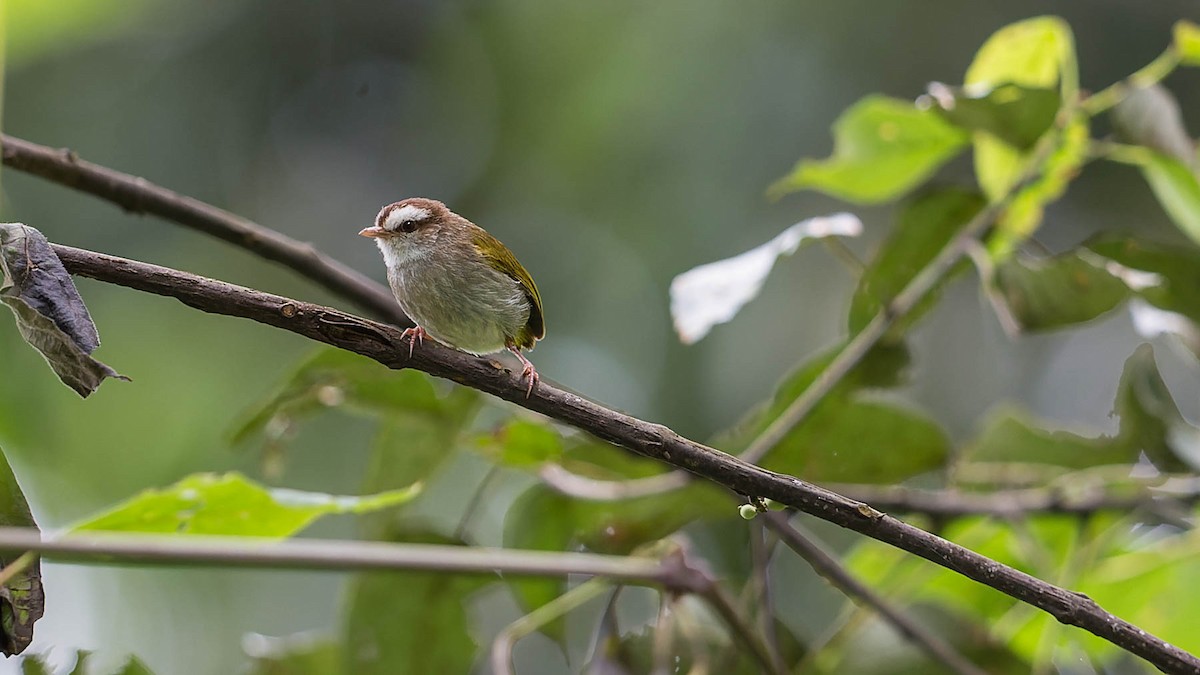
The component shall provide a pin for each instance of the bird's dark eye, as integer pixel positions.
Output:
(408, 226)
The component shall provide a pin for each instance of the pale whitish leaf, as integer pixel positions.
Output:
(1150, 322)
(713, 293)
(50, 314)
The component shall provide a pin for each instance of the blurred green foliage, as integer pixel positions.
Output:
(600, 140)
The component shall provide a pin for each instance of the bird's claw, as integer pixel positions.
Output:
(527, 372)
(415, 334)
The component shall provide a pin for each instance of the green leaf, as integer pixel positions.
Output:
(1015, 114)
(1067, 289)
(522, 443)
(334, 378)
(35, 665)
(421, 421)
(1023, 216)
(134, 666)
(862, 441)
(1165, 571)
(1177, 189)
(22, 601)
(1173, 283)
(47, 28)
(1036, 53)
(409, 622)
(230, 504)
(1012, 436)
(883, 147)
(925, 226)
(50, 314)
(545, 520)
(1150, 424)
(1187, 42)
(848, 437)
(300, 654)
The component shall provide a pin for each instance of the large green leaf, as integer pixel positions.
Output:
(409, 622)
(230, 504)
(1173, 282)
(1036, 53)
(1153, 587)
(848, 437)
(334, 378)
(883, 147)
(1150, 425)
(21, 599)
(50, 314)
(1177, 189)
(1015, 114)
(522, 443)
(1067, 289)
(925, 226)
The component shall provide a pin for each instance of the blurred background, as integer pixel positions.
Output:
(611, 145)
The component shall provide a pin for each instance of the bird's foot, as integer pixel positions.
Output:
(415, 334)
(528, 371)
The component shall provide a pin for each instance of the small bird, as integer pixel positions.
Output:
(459, 284)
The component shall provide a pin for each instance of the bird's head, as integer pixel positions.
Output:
(409, 228)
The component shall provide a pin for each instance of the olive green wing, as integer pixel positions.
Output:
(502, 259)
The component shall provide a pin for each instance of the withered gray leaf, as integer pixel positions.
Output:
(50, 314)
(21, 598)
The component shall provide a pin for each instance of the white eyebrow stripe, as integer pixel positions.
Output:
(406, 212)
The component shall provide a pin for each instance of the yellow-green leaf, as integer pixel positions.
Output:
(230, 504)
(1038, 53)
(1187, 42)
(883, 147)
(1177, 189)
(1023, 216)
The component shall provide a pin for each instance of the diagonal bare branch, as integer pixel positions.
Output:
(828, 567)
(383, 343)
(138, 195)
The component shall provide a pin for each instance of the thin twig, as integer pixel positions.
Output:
(138, 195)
(828, 567)
(502, 646)
(743, 630)
(16, 567)
(384, 344)
(1027, 502)
(104, 548)
(464, 522)
(664, 634)
(1149, 74)
(761, 551)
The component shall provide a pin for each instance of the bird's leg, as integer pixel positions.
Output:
(528, 371)
(415, 334)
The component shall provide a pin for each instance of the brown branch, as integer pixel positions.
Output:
(828, 567)
(1023, 503)
(137, 195)
(383, 344)
(108, 548)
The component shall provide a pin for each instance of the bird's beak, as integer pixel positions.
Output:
(373, 232)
